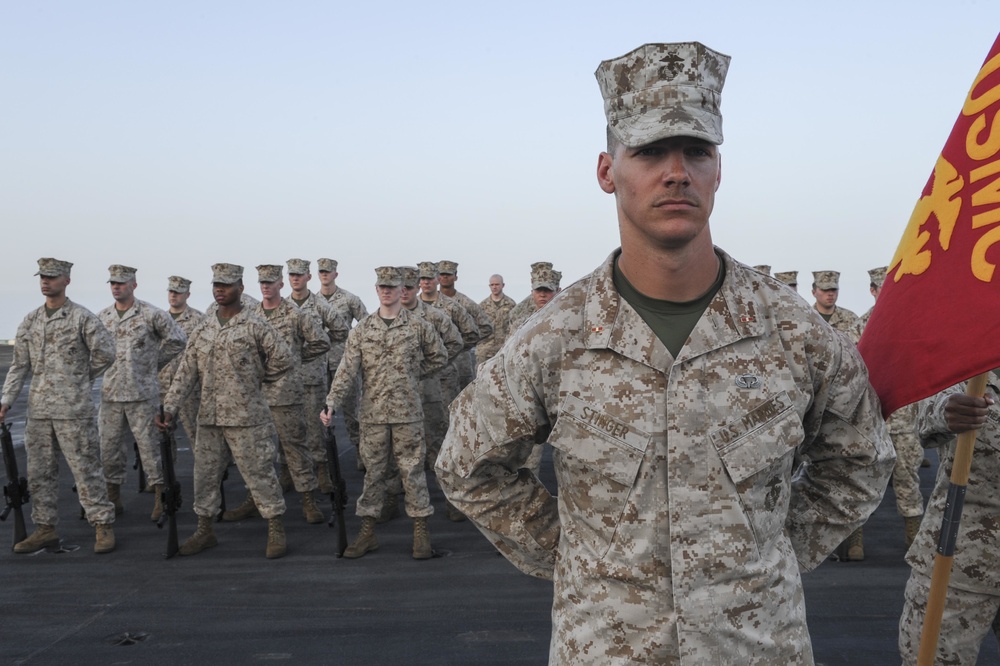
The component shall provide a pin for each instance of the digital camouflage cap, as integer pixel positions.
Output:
(826, 279)
(178, 284)
(662, 90)
(326, 265)
(49, 267)
(427, 269)
(448, 267)
(120, 273)
(387, 276)
(298, 266)
(877, 275)
(409, 275)
(268, 273)
(763, 268)
(788, 277)
(226, 273)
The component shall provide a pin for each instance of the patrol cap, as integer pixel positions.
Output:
(790, 278)
(226, 273)
(763, 268)
(387, 276)
(268, 273)
(327, 265)
(546, 278)
(447, 267)
(663, 90)
(539, 265)
(49, 267)
(427, 269)
(119, 273)
(826, 279)
(877, 275)
(298, 266)
(409, 275)
(178, 284)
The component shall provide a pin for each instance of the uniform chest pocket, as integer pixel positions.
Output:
(597, 463)
(757, 451)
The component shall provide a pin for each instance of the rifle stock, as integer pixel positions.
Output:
(338, 496)
(171, 493)
(16, 490)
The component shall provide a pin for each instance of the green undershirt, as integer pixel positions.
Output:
(671, 322)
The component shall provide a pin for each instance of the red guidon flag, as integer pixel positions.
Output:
(937, 320)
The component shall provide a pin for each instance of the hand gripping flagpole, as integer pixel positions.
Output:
(945, 556)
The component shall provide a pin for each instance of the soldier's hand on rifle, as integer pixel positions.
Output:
(3, 411)
(965, 412)
(326, 416)
(164, 422)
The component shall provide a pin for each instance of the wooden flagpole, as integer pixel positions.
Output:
(945, 556)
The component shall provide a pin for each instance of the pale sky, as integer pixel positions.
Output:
(169, 136)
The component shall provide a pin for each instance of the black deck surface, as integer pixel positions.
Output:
(229, 605)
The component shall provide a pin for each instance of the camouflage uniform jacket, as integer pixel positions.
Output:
(517, 314)
(677, 530)
(188, 321)
(391, 361)
(483, 321)
(307, 341)
(463, 320)
(449, 335)
(146, 339)
(314, 370)
(499, 314)
(846, 322)
(976, 567)
(64, 354)
(229, 363)
(351, 309)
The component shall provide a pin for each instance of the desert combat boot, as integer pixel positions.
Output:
(275, 538)
(421, 540)
(365, 541)
(115, 495)
(203, 537)
(310, 511)
(105, 539)
(44, 536)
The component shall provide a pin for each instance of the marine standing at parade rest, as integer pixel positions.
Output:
(972, 605)
(391, 350)
(306, 340)
(676, 386)
(497, 307)
(902, 425)
(314, 372)
(230, 355)
(826, 289)
(431, 296)
(351, 309)
(146, 339)
(447, 275)
(63, 348)
(188, 318)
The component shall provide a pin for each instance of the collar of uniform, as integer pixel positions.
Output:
(132, 311)
(611, 323)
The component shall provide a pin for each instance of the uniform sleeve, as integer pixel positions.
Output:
(466, 326)
(315, 341)
(848, 453)
(20, 366)
(483, 322)
(349, 368)
(435, 356)
(101, 346)
(495, 423)
(932, 425)
(172, 337)
(358, 309)
(335, 324)
(277, 355)
(451, 337)
(185, 379)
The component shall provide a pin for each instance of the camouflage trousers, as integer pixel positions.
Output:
(402, 443)
(487, 350)
(435, 428)
(77, 439)
(290, 424)
(968, 617)
(465, 365)
(252, 449)
(117, 417)
(349, 408)
(188, 414)
(905, 475)
(315, 402)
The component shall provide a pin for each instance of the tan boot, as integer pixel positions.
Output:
(157, 503)
(323, 475)
(421, 540)
(390, 509)
(203, 537)
(365, 542)
(105, 542)
(44, 536)
(245, 510)
(912, 526)
(311, 512)
(115, 495)
(285, 478)
(275, 538)
(856, 546)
